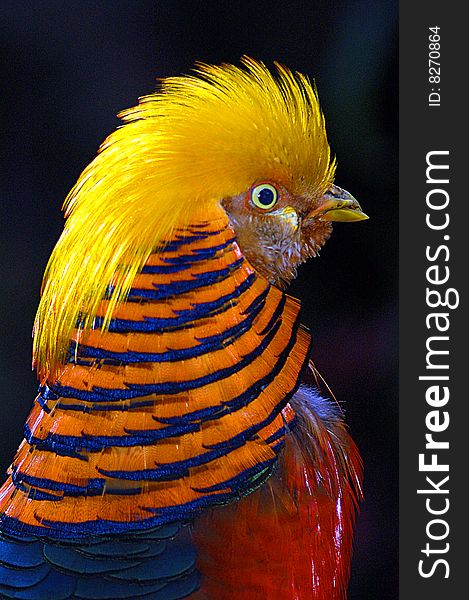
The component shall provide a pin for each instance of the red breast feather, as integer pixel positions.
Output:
(292, 538)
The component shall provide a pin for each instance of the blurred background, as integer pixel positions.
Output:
(68, 68)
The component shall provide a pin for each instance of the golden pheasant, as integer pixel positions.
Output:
(177, 447)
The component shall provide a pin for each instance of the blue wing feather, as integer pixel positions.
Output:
(103, 569)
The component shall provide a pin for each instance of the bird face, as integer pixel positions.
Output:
(242, 137)
(278, 230)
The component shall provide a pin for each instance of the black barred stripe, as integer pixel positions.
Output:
(277, 314)
(181, 468)
(178, 469)
(165, 269)
(43, 401)
(183, 240)
(96, 443)
(194, 227)
(162, 515)
(70, 532)
(205, 414)
(244, 481)
(176, 288)
(207, 345)
(95, 487)
(100, 394)
(98, 486)
(281, 432)
(61, 450)
(245, 398)
(120, 407)
(185, 318)
(185, 261)
(39, 495)
(73, 445)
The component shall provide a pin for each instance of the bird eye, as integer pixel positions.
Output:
(264, 196)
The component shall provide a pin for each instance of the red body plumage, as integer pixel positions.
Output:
(292, 537)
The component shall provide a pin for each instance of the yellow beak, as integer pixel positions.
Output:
(338, 205)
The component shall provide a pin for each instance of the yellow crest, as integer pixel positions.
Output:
(197, 140)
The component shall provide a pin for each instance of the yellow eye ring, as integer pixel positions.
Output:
(264, 196)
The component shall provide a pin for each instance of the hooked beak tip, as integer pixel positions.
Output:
(339, 205)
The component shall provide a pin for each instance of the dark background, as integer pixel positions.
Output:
(68, 68)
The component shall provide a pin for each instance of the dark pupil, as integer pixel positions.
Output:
(265, 196)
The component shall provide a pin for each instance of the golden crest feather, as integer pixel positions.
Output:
(181, 150)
